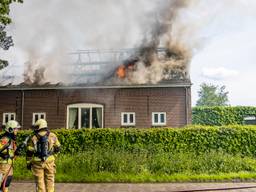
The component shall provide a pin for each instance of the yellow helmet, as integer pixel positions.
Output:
(40, 123)
(11, 125)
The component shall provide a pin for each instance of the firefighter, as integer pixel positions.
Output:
(7, 153)
(42, 148)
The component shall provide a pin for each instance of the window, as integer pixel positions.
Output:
(158, 118)
(84, 115)
(128, 119)
(37, 116)
(8, 116)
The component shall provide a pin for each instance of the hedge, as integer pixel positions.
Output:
(199, 139)
(221, 115)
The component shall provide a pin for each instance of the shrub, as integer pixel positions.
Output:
(200, 139)
(221, 115)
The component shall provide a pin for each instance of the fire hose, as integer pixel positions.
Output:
(16, 153)
(216, 189)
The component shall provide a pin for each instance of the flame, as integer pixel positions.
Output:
(120, 72)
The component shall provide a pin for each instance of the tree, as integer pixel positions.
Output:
(5, 41)
(212, 95)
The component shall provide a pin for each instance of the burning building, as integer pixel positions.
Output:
(94, 100)
(148, 86)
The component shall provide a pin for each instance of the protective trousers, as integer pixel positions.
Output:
(44, 175)
(4, 168)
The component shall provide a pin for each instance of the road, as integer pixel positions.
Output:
(140, 187)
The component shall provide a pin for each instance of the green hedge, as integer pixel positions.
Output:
(200, 139)
(221, 115)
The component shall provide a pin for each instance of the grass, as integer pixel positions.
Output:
(102, 165)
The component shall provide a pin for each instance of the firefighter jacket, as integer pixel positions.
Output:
(32, 145)
(7, 149)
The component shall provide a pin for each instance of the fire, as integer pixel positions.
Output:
(120, 72)
(124, 70)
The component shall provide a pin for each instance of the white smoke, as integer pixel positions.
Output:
(45, 31)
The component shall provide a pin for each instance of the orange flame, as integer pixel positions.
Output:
(120, 72)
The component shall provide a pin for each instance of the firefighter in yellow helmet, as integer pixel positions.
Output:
(42, 148)
(7, 153)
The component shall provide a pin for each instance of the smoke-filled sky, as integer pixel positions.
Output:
(219, 34)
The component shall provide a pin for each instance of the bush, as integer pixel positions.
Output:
(199, 139)
(221, 115)
(139, 155)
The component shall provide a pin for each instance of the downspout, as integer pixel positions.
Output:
(186, 105)
(22, 106)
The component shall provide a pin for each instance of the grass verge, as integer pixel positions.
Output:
(105, 165)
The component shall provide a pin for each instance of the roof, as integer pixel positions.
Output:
(107, 85)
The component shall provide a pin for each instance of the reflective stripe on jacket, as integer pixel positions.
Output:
(7, 148)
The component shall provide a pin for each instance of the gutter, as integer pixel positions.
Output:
(94, 87)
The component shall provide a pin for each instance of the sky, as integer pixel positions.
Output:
(228, 56)
(220, 32)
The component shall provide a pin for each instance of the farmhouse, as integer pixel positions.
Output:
(112, 104)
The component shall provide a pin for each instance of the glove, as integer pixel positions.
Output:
(29, 166)
(56, 150)
(18, 151)
(5, 156)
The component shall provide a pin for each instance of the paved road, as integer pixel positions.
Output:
(141, 187)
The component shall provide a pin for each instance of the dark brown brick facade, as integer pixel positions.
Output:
(175, 101)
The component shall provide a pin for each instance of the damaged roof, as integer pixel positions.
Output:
(102, 85)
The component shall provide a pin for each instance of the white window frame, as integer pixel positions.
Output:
(84, 105)
(129, 123)
(158, 123)
(9, 114)
(39, 114)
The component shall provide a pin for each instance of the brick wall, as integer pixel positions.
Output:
(9, 103)
(142, 101)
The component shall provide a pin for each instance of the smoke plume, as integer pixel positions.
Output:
(152, 67)
(45, 32)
